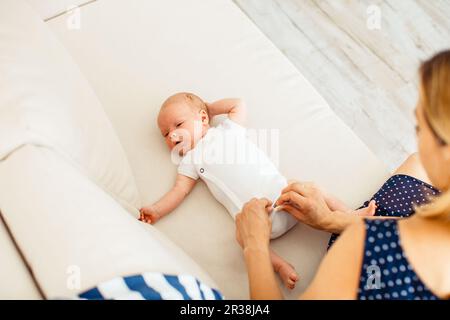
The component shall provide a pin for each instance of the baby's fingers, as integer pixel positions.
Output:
(147, 220)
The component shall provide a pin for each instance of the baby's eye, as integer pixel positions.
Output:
(179, 124)
(165, 136)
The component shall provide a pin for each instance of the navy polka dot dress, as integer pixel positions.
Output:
(386, 272)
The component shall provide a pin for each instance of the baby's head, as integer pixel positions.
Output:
(183, 120)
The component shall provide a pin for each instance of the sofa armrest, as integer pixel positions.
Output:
(72, 234)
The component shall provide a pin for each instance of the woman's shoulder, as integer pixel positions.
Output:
(425, 245)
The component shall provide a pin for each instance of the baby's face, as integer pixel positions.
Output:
(182, 126)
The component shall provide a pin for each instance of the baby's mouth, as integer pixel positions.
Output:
(182, 148)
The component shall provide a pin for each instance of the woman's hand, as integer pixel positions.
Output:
(253, 225)
(307, 204)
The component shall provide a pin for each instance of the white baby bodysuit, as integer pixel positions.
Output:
(235, 171)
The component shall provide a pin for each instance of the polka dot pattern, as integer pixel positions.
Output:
(386, 272)
(399, 194)
(397, 198)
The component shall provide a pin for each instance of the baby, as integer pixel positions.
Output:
(234, 168)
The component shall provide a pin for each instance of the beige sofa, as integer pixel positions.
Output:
(80, 151)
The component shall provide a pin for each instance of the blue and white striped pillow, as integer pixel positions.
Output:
(152, 286)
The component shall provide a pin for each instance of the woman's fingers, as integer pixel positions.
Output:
(253, 224)
(264, 202)
(302, 188)
(268, 205)
(291, 197)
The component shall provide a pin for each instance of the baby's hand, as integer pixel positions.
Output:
(149, 214)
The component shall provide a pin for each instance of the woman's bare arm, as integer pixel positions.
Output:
(261, 276)
(337, 277)
(253, 234)
(338, 274)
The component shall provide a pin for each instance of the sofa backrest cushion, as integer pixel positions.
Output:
(46, 101)
(47, 9)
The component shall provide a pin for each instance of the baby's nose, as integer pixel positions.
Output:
(175, 137)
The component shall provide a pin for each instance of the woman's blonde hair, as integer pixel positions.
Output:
(435, 81)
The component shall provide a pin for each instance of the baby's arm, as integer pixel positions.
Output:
(235, 108)
(169, 202)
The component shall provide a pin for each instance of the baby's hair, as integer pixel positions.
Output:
(193, 100)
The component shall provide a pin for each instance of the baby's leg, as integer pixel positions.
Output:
(282, 222)
(337, 205)
(286, 271)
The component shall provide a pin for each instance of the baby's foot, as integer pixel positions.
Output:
(369, 211)
(287, 274)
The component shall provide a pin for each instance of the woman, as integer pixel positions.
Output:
(376, 258)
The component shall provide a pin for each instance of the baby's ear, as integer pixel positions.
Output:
(204, 116)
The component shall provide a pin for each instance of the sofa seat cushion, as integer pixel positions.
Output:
(136, 53)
